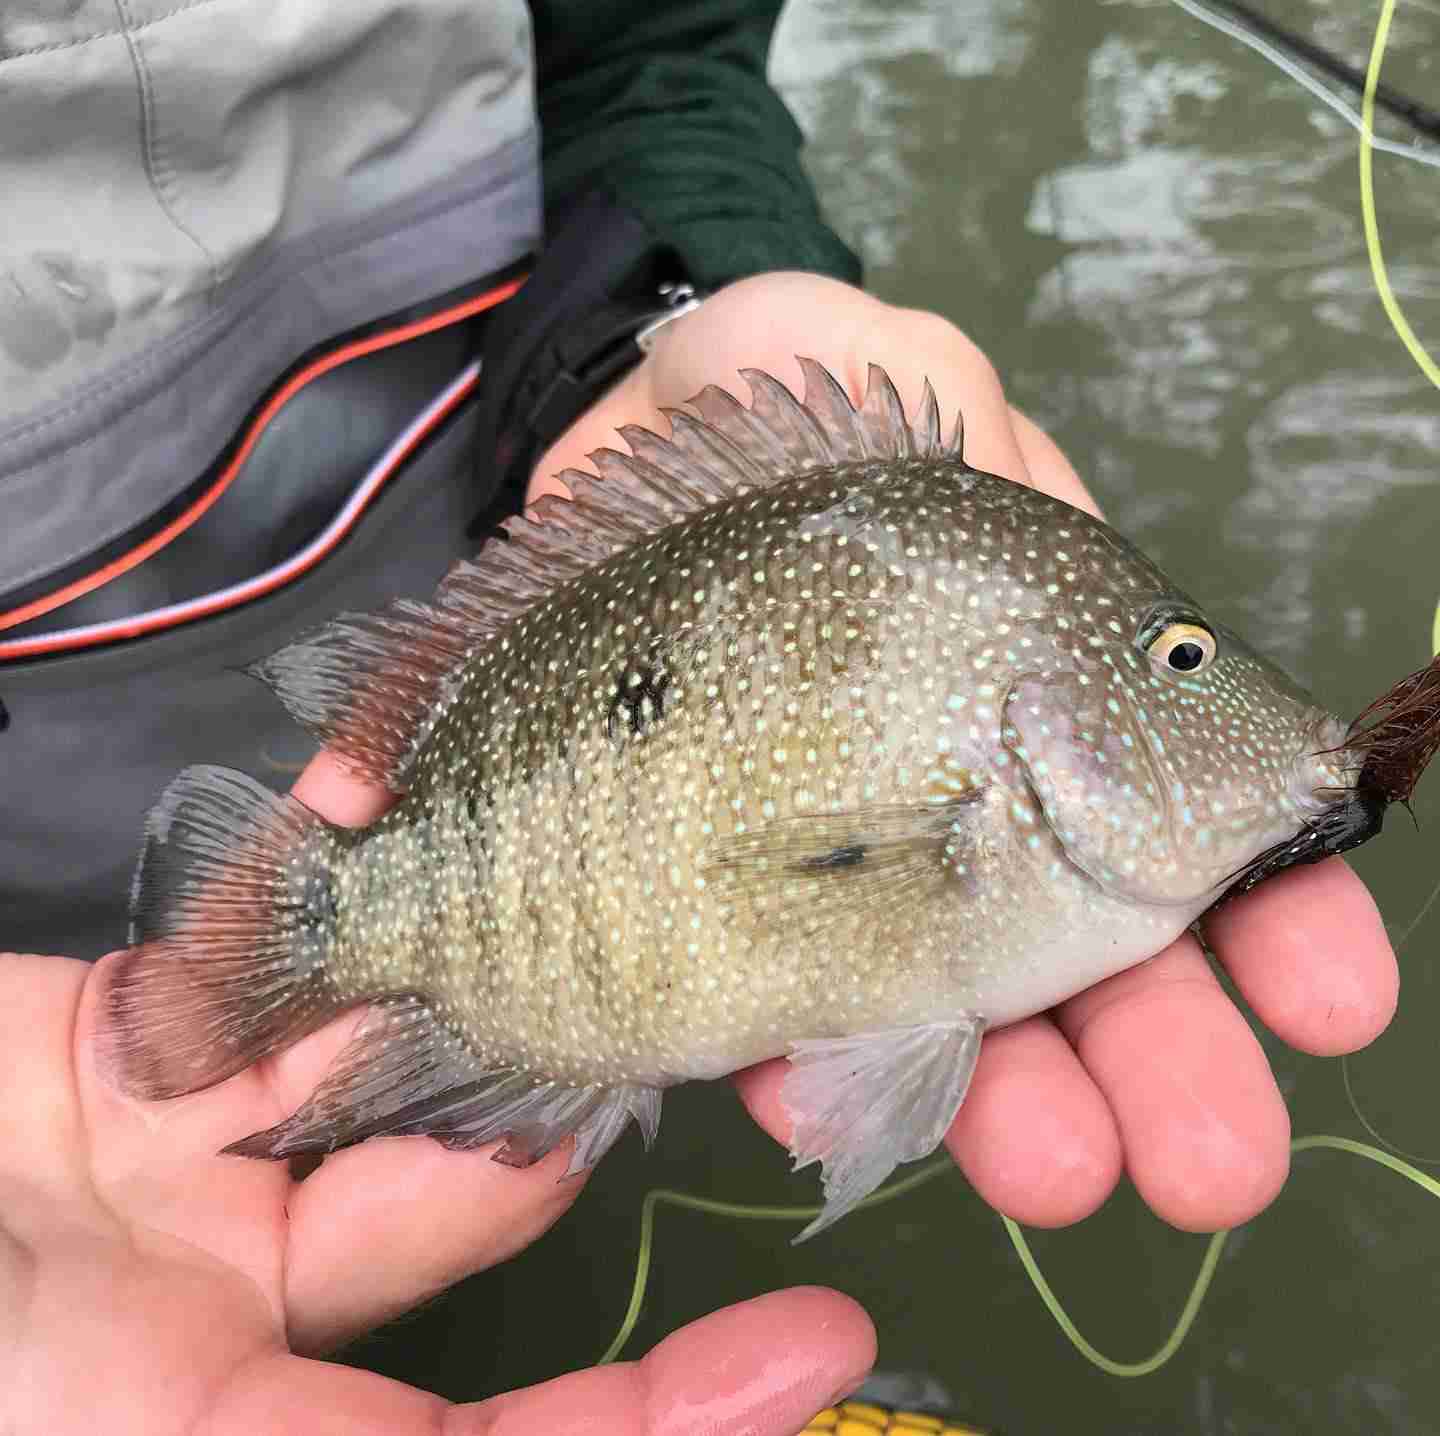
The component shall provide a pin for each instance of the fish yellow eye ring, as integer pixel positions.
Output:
(1183, 648)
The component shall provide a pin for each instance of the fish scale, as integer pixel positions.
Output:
(794, 734)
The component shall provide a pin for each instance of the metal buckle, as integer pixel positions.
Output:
(679, 299)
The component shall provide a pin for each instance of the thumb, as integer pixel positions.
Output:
(761, 1368)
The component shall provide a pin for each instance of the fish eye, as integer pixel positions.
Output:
(1182, 647)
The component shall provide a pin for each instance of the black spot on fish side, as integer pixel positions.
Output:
(639, 699)
(479, 804)
(319, 906)
(849, 856)
(4, 717)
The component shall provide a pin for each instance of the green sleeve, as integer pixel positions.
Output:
(665, 102)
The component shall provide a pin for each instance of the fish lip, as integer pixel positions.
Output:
(1314, 790)
(1349, 820)
(1384, 750)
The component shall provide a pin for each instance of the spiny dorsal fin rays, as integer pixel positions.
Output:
(510, 572)
(825, 398)
(694, 468)
(727, 416)
(616, 509)
(883, 417)
(927, 425)
(619, 519)
(679, 492)
(562, 514)
(545, 545)
(372, 686)
(717, 456)
(955, 444)
(805, 441)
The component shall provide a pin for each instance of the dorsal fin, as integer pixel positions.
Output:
(371, 686)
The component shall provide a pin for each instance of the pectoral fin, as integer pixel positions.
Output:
(861, 1105)
(803, 874)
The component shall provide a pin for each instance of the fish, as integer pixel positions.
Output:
(790, 734)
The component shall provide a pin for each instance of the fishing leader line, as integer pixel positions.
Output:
(1277, 57)
(1364, 124)
(1419, 116)
(1209, 1262)
(744, 1211)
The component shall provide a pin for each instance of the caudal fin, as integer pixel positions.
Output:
(232, 914)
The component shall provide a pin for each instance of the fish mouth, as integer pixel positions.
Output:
(1388, 747)
(1353, 819)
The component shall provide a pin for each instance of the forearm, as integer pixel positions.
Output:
(667, 106)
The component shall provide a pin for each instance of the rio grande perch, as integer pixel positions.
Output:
(792, 734)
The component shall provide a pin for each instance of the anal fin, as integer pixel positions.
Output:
(406, 1074)
(862, 1104)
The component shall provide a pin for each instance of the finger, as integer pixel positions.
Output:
(759, 1089)
(273, 1088)
(43, 1133)
(340, 795)
(160, 1159)
(761, 1368)
(1308, 949)
(155, 1164)
(1035, 1136)
(423, 1218)
(1049, 469)
(1203, 1127)
(143, 1143)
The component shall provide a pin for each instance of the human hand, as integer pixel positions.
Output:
(149, 1286)
(1154, 1071)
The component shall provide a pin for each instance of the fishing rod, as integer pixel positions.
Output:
(1419, 116)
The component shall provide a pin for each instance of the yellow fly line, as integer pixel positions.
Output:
(1381, 275)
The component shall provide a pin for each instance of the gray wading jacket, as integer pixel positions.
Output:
(198, 200)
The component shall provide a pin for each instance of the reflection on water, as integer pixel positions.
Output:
(1157, 238)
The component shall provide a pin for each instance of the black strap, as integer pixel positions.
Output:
(564, 339)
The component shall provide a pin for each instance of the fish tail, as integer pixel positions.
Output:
(232, 916)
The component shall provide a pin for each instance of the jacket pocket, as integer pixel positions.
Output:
(96, 735)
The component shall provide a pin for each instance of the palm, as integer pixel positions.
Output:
(205, 1271)
(78, 1173)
